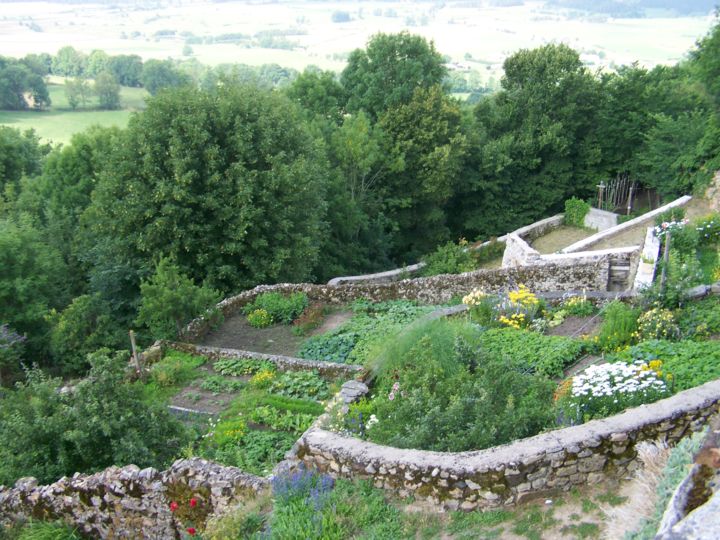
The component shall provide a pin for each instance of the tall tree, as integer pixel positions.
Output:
(228, 183)
(126, 68)
(426, 132)
(388, 71)
(69, 62)
(107, 90)
(160, 74)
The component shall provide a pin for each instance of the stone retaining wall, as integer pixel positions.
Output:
(131, 503)
(600, 219)
(511, 473)
(571, 275)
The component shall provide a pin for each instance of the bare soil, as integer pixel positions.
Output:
(236, 333)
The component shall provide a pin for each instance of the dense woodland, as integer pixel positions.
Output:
(237, 185)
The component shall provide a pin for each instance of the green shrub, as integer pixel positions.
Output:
(237, 367)
(685, 240)
(449, 258)
(175, 369)
(575, 212)
(691, 363)
(300, 384)
(259, 318)
(545, 355)
(683, 273)
(437, 389)
(282, 309)
(103, 421)
(700, 318)
(619, 326)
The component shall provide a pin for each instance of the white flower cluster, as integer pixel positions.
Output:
(618, 378)
(474, 298)
(372, 421)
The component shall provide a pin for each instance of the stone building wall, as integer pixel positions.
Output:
(510, 473)
(131, 503)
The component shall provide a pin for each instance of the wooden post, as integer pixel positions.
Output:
(136, 360)
(666, 259)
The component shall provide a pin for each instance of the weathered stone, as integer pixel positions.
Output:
(567, 471)
(618, 437)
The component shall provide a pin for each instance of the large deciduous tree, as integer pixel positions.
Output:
(159, 74)
(229, 183)
(388, 71)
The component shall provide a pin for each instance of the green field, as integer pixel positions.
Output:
(58, 124)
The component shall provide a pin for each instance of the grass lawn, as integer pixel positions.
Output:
(60, 123)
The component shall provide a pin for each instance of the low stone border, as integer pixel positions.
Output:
(128, 502)
(283, 363)
(510, 473)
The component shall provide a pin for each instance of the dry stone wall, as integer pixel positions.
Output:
(570, 275)
(129, 502)
(511, 473)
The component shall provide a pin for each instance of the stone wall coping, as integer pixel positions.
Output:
(628, 250)
(632, 420)
(608, 233)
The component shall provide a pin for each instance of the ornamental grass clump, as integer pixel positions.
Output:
(606, 389)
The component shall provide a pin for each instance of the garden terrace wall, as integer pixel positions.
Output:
(128, 502)
(283, 363)
(562, 276)
(528, 468)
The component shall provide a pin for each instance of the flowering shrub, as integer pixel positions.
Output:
(192, 515)
(657, 323)
(517, 311)
(670, 227)
(259, 318)
(281, 309)
(606, 389)
(228, 431)
(262, 379)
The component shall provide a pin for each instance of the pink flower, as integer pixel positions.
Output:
(391, 396)
(396, 387)
(191, 531)
(173, 506)
(193, 503)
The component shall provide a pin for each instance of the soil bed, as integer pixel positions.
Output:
(236, 333)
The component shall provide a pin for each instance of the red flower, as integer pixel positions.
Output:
(173, 506)
(193, 503)
(191, 531)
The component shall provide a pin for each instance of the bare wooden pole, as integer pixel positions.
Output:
(666, 260)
